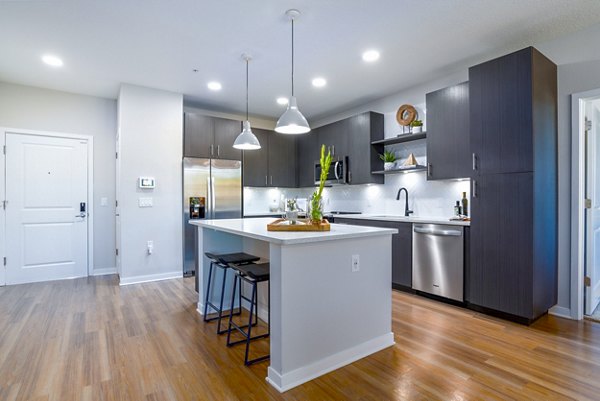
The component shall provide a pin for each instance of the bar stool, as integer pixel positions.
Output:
(251, 274)
(224, 262)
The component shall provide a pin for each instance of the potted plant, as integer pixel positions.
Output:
(389, 160)
(291, 212)
(416, 126)
(316, 204)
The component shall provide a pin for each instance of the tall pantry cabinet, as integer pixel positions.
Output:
(513, 135)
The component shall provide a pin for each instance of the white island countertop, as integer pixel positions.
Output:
(257, 228)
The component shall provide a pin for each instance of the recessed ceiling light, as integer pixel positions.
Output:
(282, 101)
(370, 55)
(214, 86)
(52, 60)
(319, 82)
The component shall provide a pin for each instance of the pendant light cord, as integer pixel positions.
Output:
(247, 62)
(292, 57)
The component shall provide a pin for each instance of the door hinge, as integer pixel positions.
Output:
(117, 251)
(587, 203)
(116, 203)
(5, 261)
(4, 203)
(116, 155)
(587, 281)
(588, 125)
(4, 149)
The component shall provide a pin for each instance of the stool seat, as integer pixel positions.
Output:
(232, 258)
(257, 272)
(223, 261)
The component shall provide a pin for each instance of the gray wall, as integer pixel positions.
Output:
(33, 108)
(151, 144)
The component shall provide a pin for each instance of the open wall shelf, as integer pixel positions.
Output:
(400, 139)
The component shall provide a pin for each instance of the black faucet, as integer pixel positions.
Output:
(407, 212)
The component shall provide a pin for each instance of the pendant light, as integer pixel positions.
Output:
(292, 121)
(246, 140)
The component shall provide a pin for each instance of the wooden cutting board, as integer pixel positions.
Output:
(301, 225)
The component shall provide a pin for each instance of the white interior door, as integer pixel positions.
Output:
(46, 214)
(592, 265)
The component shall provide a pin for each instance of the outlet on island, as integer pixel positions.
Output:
(150, 247)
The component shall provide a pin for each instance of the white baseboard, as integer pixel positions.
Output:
(306, 373)
(150, 277)
(560, 311)
(104, 271)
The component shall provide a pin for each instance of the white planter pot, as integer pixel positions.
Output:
(388, 166)
(417, 130)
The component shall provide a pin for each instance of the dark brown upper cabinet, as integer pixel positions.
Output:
(210, 137)
(256, 162)
(308, 152)
(448, 150)
(348, 138)
(274, 164)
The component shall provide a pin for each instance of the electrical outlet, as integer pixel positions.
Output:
(150, 247)
(104, 201)
(355, 263)
(145, 202)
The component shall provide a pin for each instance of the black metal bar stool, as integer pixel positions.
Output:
(251, 274)
(223, 261)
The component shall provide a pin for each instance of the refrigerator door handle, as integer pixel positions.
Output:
(208, 198)
(213, 198)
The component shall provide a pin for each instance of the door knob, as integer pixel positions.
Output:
(82, 215)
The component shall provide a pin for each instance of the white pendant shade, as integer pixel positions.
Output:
(292, 121)
(246, 140)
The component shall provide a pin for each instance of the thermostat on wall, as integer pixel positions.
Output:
(146, 182)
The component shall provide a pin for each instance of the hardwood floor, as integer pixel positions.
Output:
(89, 339)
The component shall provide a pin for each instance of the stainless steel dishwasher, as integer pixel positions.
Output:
(438, 260)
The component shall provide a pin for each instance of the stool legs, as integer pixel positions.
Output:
(219, 310)
(253, 315)
(206, 299)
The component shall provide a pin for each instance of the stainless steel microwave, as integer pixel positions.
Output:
(337, 174)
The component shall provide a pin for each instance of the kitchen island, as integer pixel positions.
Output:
(326, 311)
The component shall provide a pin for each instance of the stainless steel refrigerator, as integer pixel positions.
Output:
(217, 185)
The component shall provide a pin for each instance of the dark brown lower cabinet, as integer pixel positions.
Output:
(401, 249)
(513, 247)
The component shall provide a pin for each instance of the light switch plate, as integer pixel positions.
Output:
(104, 201)
(145, 202)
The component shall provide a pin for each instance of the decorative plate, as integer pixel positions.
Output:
(406, 114)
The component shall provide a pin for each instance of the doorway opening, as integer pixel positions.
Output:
(585, 275)
(47, 182)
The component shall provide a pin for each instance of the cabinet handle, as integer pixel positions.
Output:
(266, 181)
(212, 150)
(271, 180)
(474, 189)
(474, 162)
(332, 150)
(429, 168)
(218, 150)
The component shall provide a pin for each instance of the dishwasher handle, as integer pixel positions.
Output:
(433, 231)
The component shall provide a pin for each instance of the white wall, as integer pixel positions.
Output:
(48, 110)
(151, 144)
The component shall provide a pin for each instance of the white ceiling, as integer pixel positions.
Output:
(157, 43)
